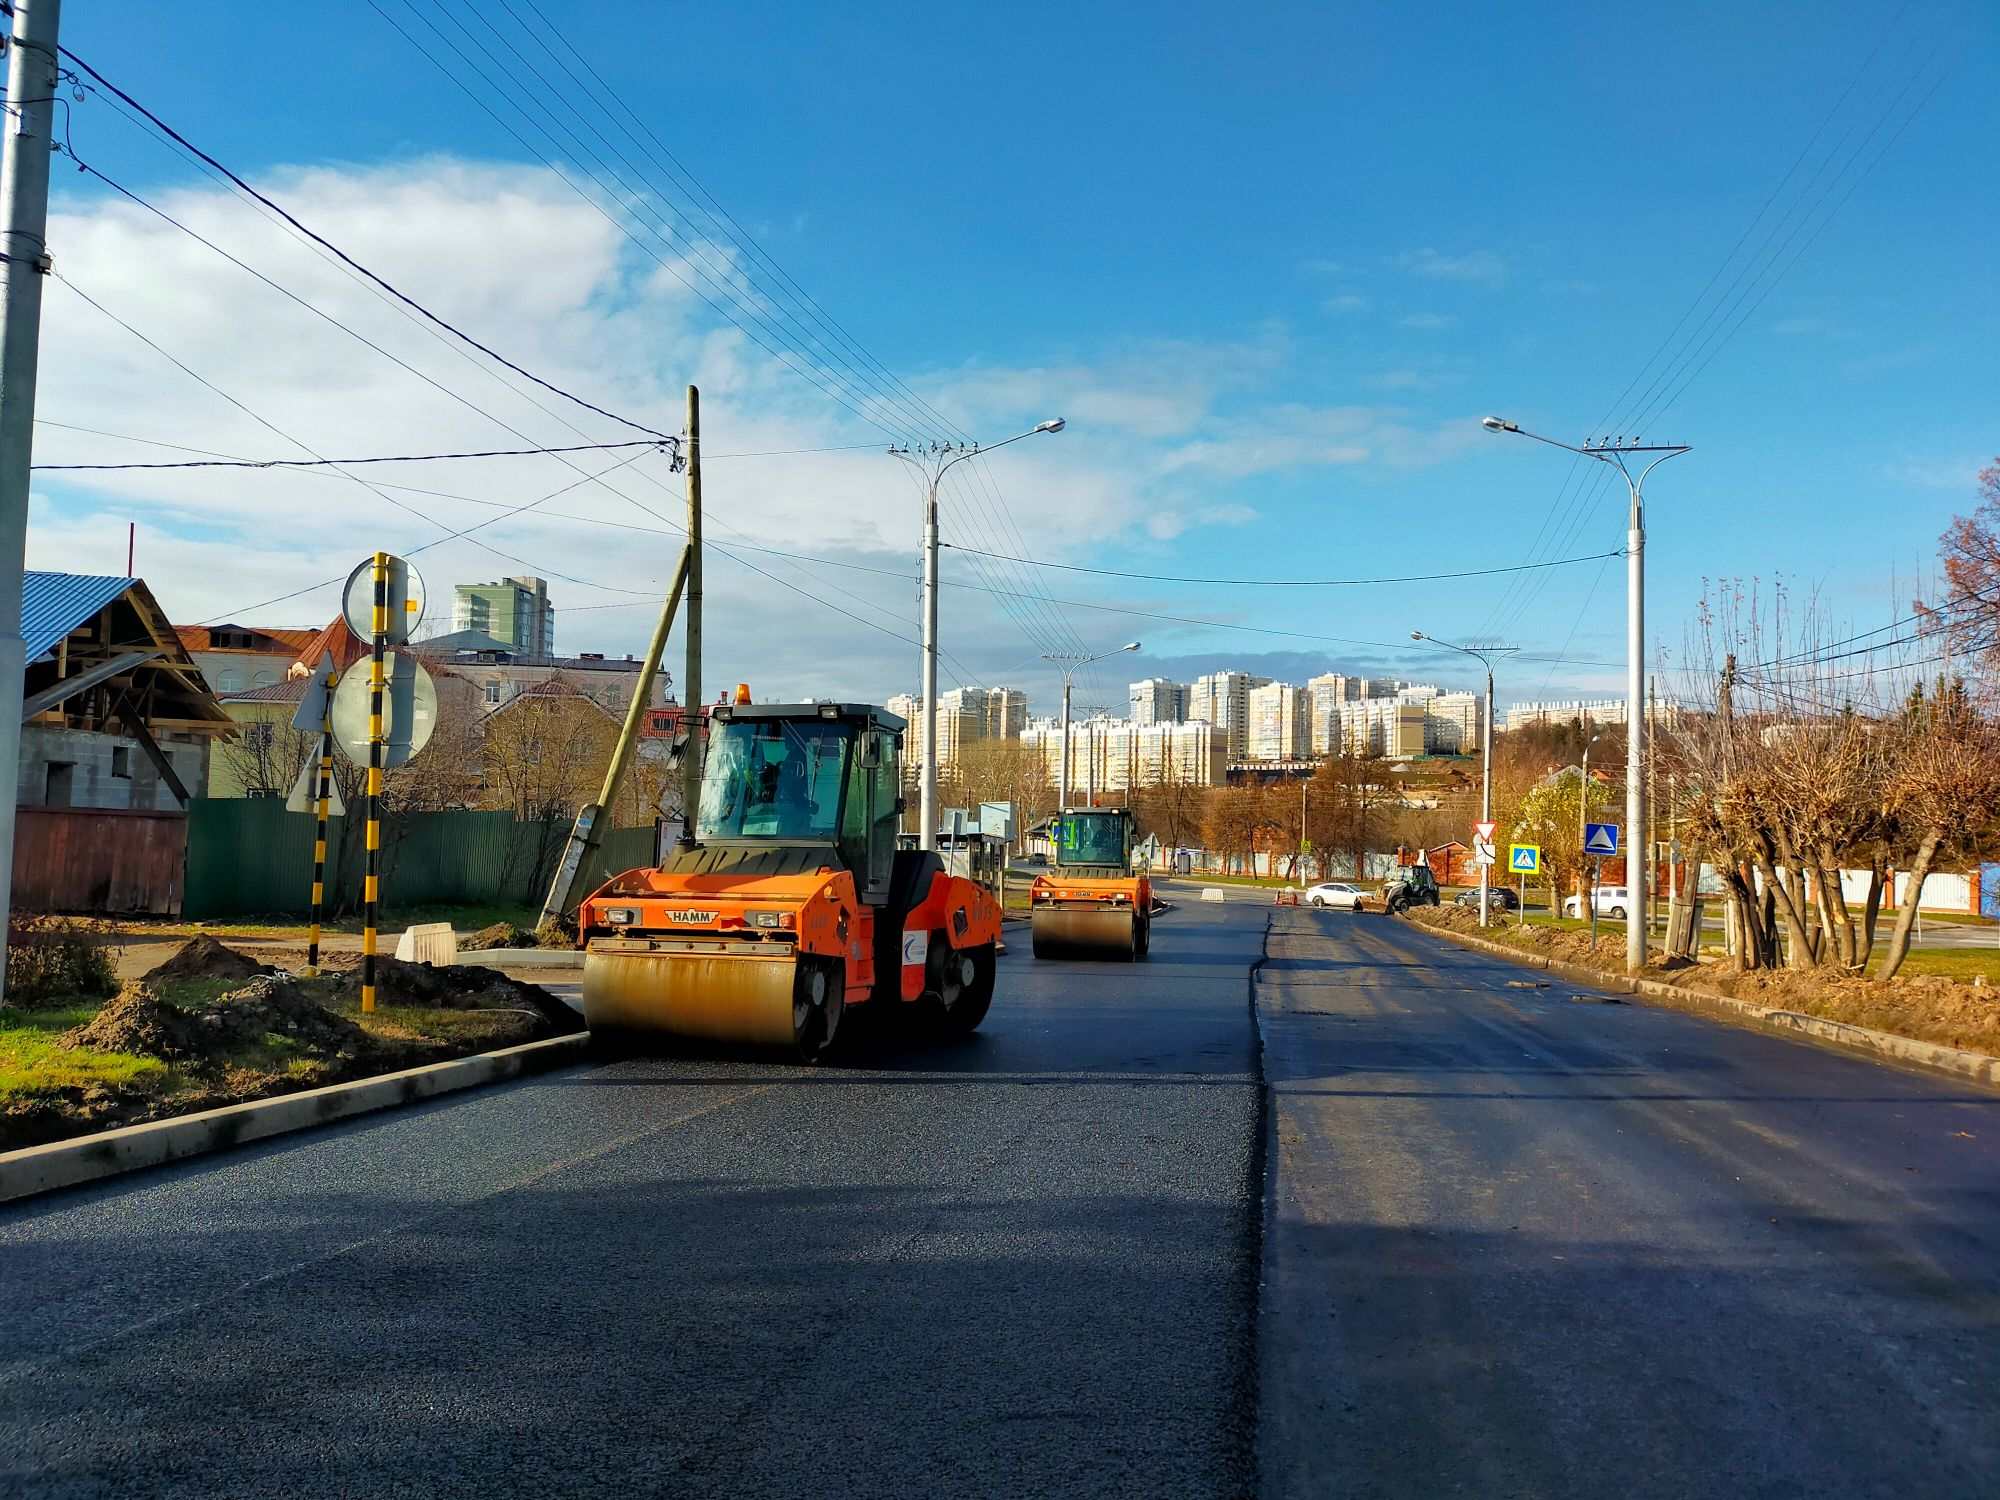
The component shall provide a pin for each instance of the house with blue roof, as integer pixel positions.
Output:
(116, 714)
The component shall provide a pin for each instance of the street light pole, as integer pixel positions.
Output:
(1071, 664)
(1615, 452)
(932, 460)
(1484, 656)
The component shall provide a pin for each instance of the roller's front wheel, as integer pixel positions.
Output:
(819, 999)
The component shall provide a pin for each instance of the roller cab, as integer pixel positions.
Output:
(1090, 904)
(793, 904)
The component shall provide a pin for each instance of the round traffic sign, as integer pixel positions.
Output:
(404, 597)
(409, 710)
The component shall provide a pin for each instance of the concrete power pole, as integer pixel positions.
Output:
(24, 219)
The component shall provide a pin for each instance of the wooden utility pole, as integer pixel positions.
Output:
(691, 754)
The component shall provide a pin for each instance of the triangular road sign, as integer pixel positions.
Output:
(1600, 838)
(1485, 831)
(305, 792)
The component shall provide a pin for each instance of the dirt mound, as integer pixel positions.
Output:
(138, 1021)
(499, 935)
(204, 958)
(456, 987)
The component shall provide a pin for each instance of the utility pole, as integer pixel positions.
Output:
(24, 218)
(1071, 664)
(932, 461)
(1484, 656)
(1615, 452)
(691, 754)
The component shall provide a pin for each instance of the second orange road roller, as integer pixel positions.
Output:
(793, 903)
(1091, 905)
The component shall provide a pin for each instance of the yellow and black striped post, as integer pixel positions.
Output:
(370, 880)
(325, 789)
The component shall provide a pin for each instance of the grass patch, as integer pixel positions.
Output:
(1954, 963)
(31, 1062)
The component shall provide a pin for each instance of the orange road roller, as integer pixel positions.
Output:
(793, 903)
(1091, 905)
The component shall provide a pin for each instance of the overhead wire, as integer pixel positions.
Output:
(387, 286)
(1299, 583)
(598, 478)
(623, 226)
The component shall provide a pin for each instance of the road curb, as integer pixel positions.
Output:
(61, 1164)
(521, 958)
(1954, 1062)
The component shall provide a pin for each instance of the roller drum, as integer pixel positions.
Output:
(780, 1001)
(1085, 932)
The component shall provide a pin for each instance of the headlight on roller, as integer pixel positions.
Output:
(620, 916)
(765, 919)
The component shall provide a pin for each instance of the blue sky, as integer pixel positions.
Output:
(1272, 262)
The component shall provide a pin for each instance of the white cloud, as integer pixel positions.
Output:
(517, 259)
(1428, 322)
(1473, 265)
(1346, 302)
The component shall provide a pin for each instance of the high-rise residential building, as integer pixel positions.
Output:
(1002, 713)
(904, 707)
(1278, 722)
(1158, 701)
(1407, 723)
(1452, 724)
(514, 611)
(1326, 696)
(1223, 700)
(1122, 754)
(1593, 711)
(1416, 692)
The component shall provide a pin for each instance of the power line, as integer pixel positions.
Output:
(401, 296)
(1291, 583)
(319, 463)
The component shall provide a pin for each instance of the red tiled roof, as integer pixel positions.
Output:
(346, 647)
(201, 637)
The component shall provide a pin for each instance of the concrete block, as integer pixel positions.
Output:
(428, 943)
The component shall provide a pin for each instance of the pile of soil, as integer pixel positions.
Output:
(204, 958)
(139, 1021)
(499, 935)
(456, 987)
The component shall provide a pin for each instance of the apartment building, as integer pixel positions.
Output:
(1222, 699)
(1279, 725)
(1590, 711)
(1124, 754)
(1159, 701)
(513, 611)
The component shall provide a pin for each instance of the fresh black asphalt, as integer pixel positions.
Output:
(1512, 1242)
(1017, 1265)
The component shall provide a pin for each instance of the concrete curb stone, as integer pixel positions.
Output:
(61, 1164)
(1954, 1062)
(522, 958)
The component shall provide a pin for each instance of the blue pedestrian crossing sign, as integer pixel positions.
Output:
(1600, 838)
(1524, 859)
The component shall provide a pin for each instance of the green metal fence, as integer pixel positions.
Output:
(249, 856)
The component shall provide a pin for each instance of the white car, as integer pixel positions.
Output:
(1337, 894)
(1611, 901)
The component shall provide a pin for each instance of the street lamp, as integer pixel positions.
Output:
(1072, 663)
(1484, 656)
(1615, 451)
(1582, 832)
(931, 461)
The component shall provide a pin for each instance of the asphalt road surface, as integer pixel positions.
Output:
(1512, 1242)
(1019, 1265)
(1523, 1243)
